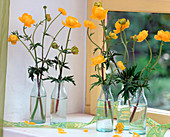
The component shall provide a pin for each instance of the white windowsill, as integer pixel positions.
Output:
(45, 132)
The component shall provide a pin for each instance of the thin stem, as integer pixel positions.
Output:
(53, 41)
(27, 49)
(133, 50)
(53, 21)
(125, 46)
(92, 40)
(150, 50)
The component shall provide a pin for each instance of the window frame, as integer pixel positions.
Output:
(153, 6)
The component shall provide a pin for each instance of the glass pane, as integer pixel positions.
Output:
(159, 96)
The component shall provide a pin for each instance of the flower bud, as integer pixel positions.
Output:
(134, 38)
(74, 50)
(98, 4)
(44, 7)
(54, 45)
(108, 37)
(48, 17)
(122, 21)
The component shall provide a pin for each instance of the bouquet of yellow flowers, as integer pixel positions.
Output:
(42, 62)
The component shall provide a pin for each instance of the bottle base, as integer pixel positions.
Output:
(104, 130)
(38, 121)
(140, 132)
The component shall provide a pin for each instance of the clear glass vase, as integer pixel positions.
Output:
(105, 110)
(123, 111)
(38, 103)
(138, 109)
(58, 111)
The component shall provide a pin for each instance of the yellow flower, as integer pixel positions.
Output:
(27, 20)
(71, 22)
(142, 35)
(119, 128)
(118, 26)
(13, 39)
(30, 123)
(98, 13)
(75, 50)
(89, 24)
(85, 130)
(135, 134)
(61, 131)
(62, 11)
(116, 136)
(113, 35)
(120, 65)
(98, 60)
(163, 36)
(48, 17)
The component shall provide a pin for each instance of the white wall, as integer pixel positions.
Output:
(18, 85)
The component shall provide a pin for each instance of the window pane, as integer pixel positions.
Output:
(159, 96)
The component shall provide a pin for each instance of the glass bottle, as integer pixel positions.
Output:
(138, 109)
(58, 110)
(123, 111)
(38, 102)
(105, 110)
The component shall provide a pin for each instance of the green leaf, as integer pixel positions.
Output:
(91, 34)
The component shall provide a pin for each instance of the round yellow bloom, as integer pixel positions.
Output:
(113, 35)
(13, 39)
(120, 65)
(98, 60)
(48, 17)
(116, 136)
(142, 35)
(31, 123)
(27, 20)
(163, 36)
(75, 50)
(85, 130)
(118, 25)
(62, 11)
(61, 131)
(98, 13)
(89, 24)
(135, 134)
(71, 22)
(119, 127)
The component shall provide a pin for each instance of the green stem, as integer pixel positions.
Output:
(92, 40)
(160, 52)
(36, 105)
(133, 50)
(150, 50)
(27, 49)
(53, 41)
(53, 21)
(125, 46)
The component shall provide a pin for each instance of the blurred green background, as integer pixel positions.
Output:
(159, 96)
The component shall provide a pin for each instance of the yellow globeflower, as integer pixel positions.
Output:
(163, 36)
(71, 22)
(98, 60)
(135, 134)
(89, 24)
(142, 35)
(120, 65)
(27, 20)
(121, 22)
(62, 11)
(119, 128)
(116, 136)
(98, 13)
(113, 35)
(13, 39)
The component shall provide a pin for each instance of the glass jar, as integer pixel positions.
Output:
(123, 111)
(105, 110)
(38, 102)
(58, 110)
(138, 109)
